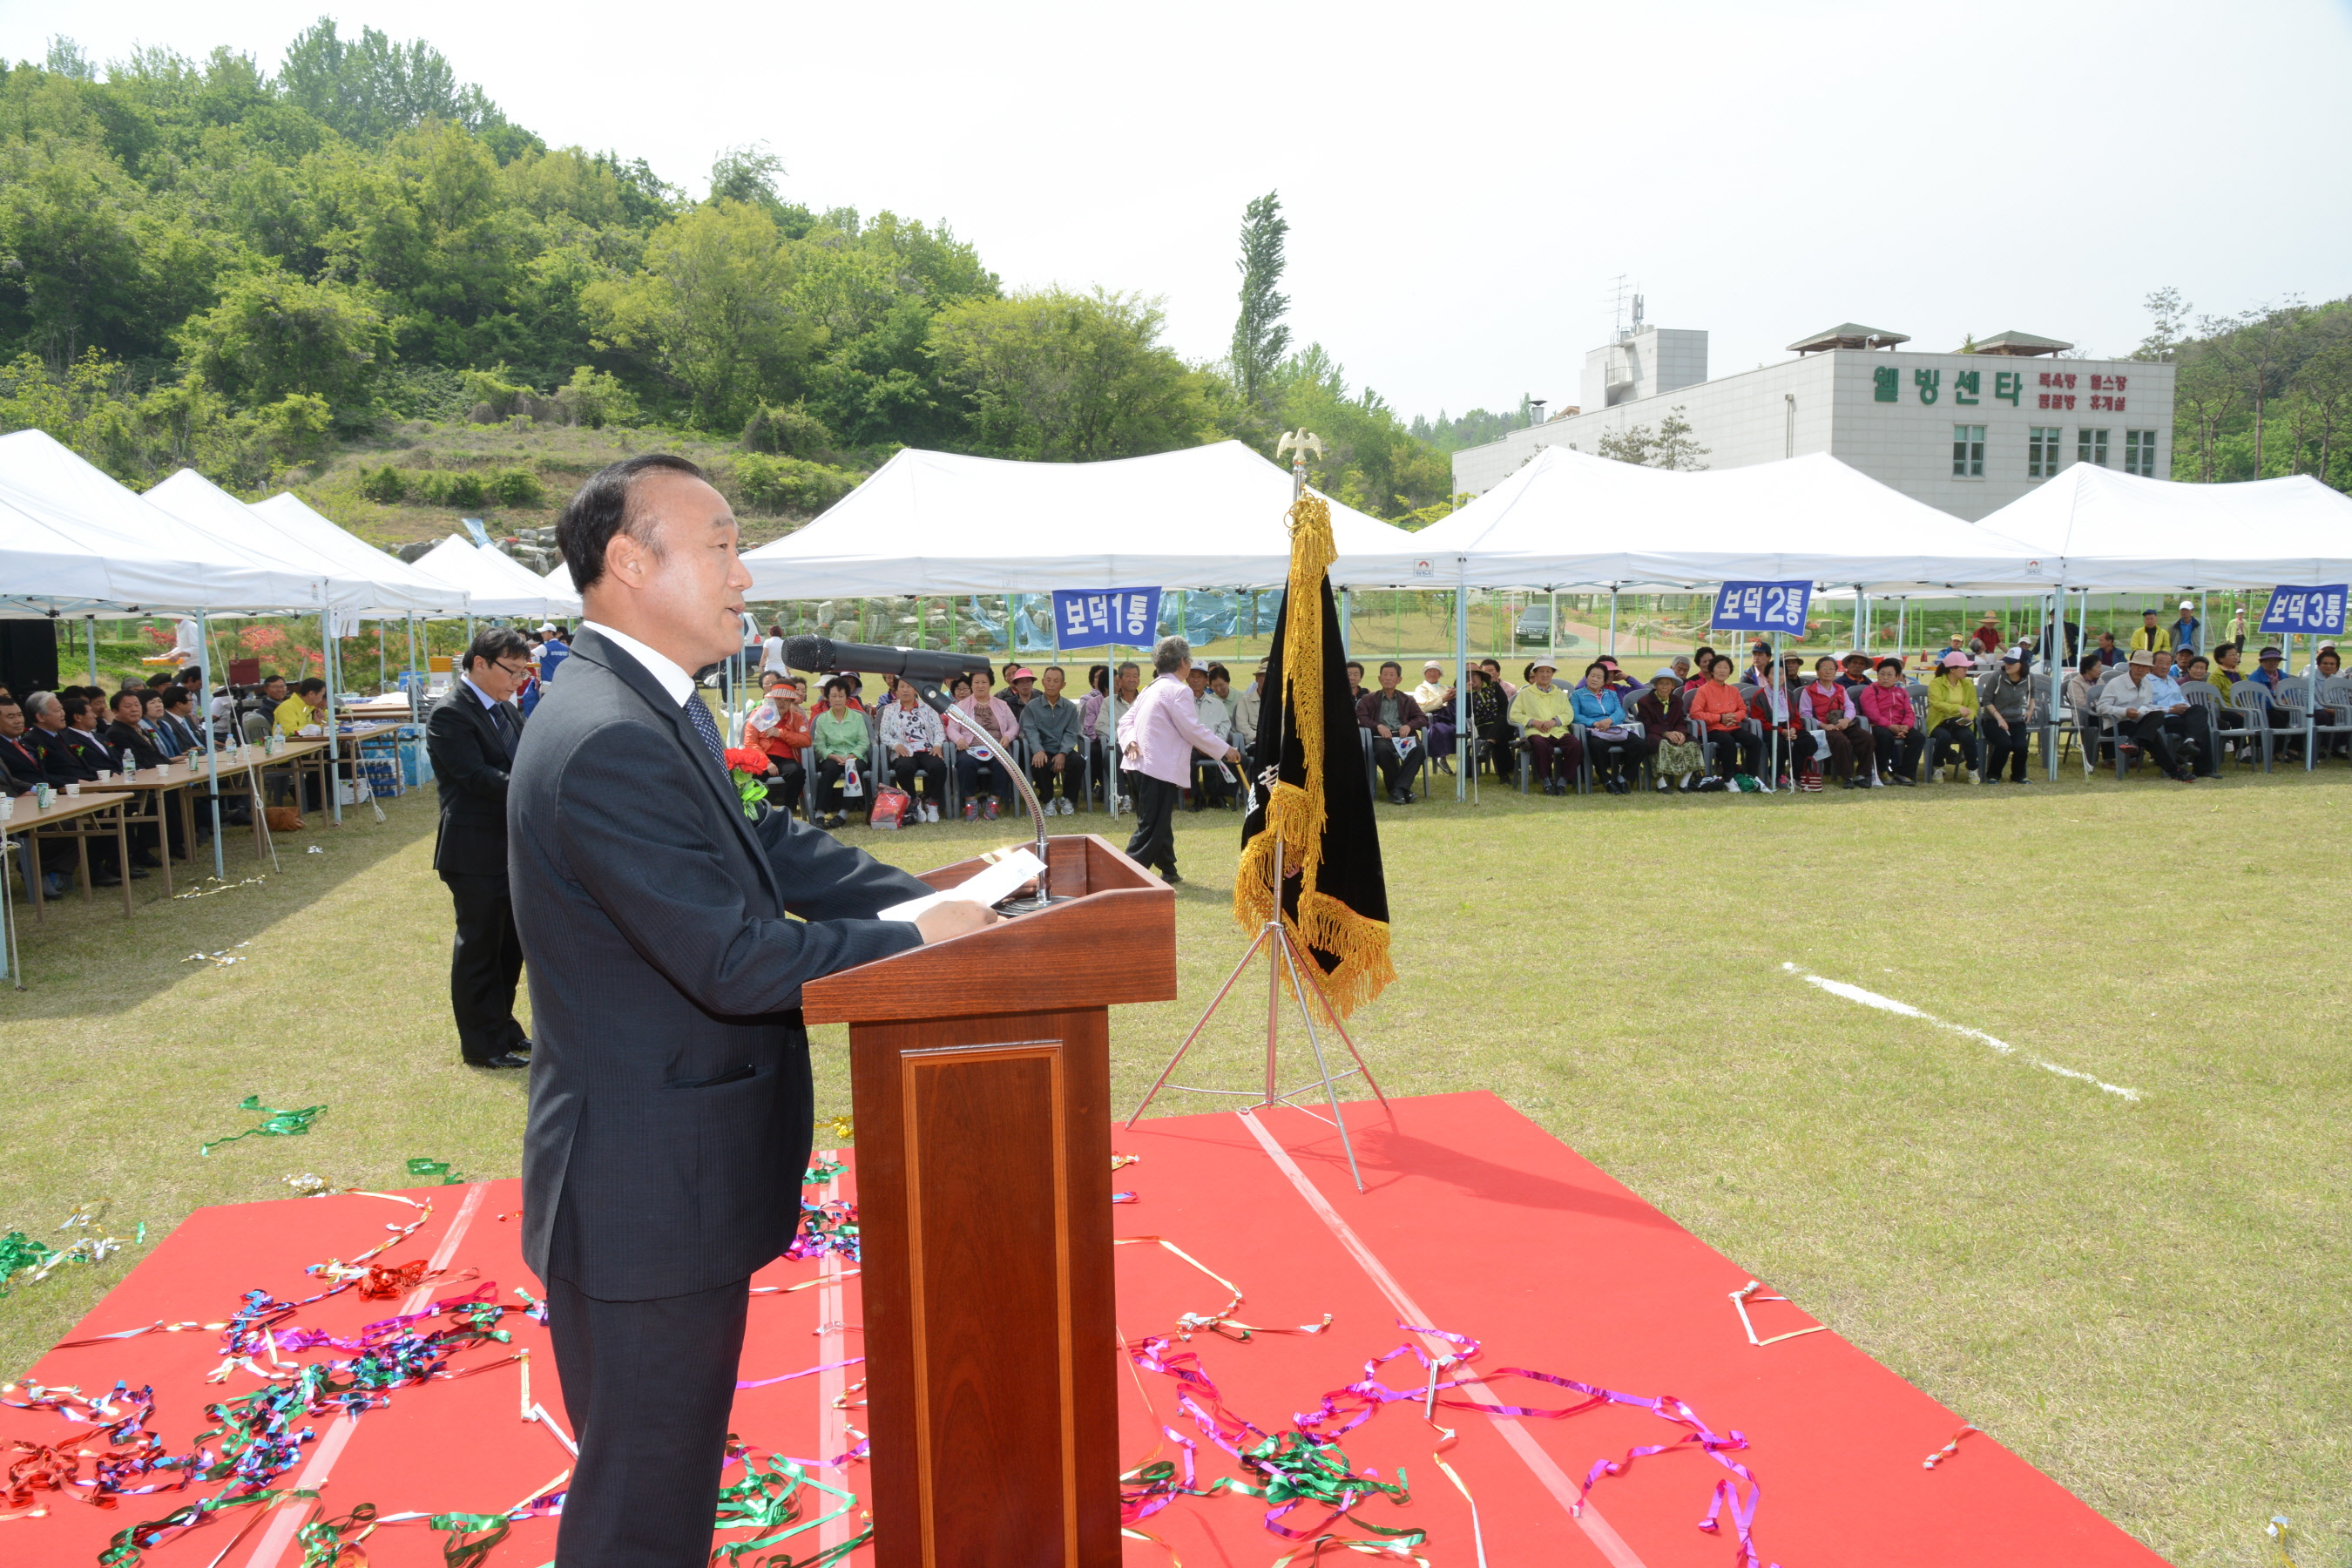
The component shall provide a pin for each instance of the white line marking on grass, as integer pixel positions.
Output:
(1889, 1005)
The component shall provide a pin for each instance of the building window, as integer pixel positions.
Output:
(2091, 447)
(2140, 453)
(1968, 451)
(2041, 445)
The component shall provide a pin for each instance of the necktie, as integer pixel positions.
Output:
(708, 728)
(503, 721)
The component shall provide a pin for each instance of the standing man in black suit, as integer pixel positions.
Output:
(471, 738)
(670, 1101)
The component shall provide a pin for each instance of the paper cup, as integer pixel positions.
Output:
(104, 774)
(73, 789)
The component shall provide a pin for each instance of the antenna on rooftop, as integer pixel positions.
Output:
(1625, 305)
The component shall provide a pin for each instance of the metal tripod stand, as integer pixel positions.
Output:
(1283, 955)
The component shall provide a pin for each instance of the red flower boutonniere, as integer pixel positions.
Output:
(748, 766)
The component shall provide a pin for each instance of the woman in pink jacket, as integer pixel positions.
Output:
(1893, 726)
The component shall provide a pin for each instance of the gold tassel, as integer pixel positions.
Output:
(1294, 814)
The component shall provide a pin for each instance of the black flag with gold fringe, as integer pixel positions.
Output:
(1318, 812)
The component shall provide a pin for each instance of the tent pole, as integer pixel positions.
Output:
(328, 660)
(89, 642)
(1464, 744)
(1612, 620)
(212, 760)
(1551, 636)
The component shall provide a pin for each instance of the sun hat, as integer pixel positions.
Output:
(2141, 656)
(1432, 664)
(2268, 653)
(1545, 661)
(1019, 672)
(1665, 673)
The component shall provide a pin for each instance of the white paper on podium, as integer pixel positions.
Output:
(1017, 870)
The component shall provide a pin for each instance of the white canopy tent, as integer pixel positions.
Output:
(73, 541)
(401, 588)
(206, 507)
(933, 523)
(1569, 518)
(2109, 531)
(497, 585)
(558, 579)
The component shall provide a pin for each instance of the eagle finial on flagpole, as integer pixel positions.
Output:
(1296, 443)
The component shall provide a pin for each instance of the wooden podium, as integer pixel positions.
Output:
(981, 1073)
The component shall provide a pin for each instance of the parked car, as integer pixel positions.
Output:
(1534, 629)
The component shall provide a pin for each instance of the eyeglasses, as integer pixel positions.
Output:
(511, 672)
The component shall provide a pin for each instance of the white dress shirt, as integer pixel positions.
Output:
(664, 669)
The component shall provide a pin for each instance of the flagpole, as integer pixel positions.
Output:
(1281, 954)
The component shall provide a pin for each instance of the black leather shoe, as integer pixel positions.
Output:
(503, 1060)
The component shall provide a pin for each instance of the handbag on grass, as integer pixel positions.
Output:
(891, 804)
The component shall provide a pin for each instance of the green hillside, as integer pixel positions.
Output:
(355, 276)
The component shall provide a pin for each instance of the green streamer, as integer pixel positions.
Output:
(276, 1123)
(441, 1168)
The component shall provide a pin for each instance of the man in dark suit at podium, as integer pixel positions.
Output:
(472, 738)
(670, 1101)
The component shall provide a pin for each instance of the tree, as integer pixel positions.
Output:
(1669, 447)
(749, 174)
(371, 89)
(274, 335)
(2206, 392)
(2170, 313)
(710, 314)
(1259, 338)
(2325, 382)
(1057, 376)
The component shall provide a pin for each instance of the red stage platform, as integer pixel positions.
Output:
(1476, 1223)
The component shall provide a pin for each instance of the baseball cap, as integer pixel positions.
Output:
(1954, 660)
(2187, 604)
(1432, 664)
(1544, 661)
(1202, 665)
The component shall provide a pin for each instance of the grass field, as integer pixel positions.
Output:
(2144, 1297)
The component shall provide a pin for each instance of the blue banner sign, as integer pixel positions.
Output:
(1762, 607)
(1091, 617)
(2299, 609)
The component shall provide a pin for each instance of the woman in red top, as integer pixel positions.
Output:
(1829, 707)
(1718, 706)
(1894, 724)
(780, 727)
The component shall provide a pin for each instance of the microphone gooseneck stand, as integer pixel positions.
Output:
(936, 698)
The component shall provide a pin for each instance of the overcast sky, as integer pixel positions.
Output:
(1465, 187)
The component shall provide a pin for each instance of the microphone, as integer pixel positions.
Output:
(918, 665)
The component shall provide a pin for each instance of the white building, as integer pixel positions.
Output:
(1965, 432)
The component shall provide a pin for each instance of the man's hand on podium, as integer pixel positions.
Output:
(956, 917)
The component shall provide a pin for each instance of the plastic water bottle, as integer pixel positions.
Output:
(129, 765)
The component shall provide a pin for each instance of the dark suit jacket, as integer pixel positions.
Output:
(20, 765)
(470, 770)
(71, 756)
(120, 738)
(60, 760)
(669, 1085)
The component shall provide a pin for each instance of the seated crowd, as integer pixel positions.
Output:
(1702, 724)
(81, 734)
